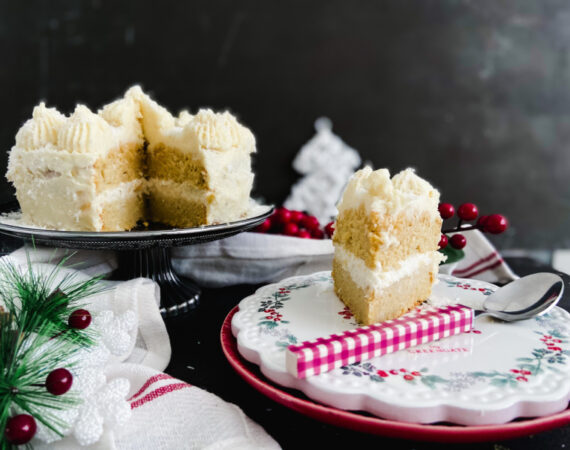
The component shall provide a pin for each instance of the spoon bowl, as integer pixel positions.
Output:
(524, 298)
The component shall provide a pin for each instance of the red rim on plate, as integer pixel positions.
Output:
(375, 425)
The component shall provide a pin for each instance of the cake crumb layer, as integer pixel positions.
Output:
(372, 306)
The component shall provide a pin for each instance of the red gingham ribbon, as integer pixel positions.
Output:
(325, 354)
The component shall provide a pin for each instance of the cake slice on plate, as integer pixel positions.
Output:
(385, 244)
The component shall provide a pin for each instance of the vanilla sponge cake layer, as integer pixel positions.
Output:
(380, 301)
(172, 164)
(178, 204)
(383, 241)
(183, 205)
(122, 164)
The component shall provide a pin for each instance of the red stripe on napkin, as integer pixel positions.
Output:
(483, 269)
(151, 380)
(159, 393)
(465, 270)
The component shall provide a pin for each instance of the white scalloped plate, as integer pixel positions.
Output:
(491, 375)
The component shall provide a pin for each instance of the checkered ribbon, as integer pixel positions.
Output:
(419, 327)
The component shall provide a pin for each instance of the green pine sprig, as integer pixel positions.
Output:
(34, 297)
(35, 339)
(26, 359)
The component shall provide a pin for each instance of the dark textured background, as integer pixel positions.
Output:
(474, 94)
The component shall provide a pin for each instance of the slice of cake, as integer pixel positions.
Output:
(131, 161)
(82, 172)
(385, 244)
(199, 167)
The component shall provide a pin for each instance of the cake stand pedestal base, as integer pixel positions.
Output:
(178, 295)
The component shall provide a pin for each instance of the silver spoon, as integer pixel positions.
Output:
(524, 298)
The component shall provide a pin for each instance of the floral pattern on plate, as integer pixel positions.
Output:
(493, 374)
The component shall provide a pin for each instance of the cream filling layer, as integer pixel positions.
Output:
(119, 192)
(179, 190)
(377, 279)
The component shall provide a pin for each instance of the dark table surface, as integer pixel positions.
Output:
(197, 358)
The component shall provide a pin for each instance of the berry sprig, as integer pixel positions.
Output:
(295, 223)
(466, 212)
(41, 327)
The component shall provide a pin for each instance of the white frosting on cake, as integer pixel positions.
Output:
(82, 132)
(41, 129)
(215, 131)
(85, 132)
(204, 131)
(125, 115)
(183, 118)
(405, 192)
(377, 279)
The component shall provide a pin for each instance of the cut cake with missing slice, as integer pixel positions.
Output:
(385, 244)
(132, 161)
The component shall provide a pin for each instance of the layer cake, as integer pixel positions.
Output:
(131, 161)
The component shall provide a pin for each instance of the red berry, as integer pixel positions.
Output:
(20, 429)
(59, 381)
(408, 377)
(382, 373)
(264, 226)
(317, 233)
(495, 224)
(443, 240)
(481, 222)
(329, 229)
(290, 229)
(446, 210)
(458, 241)
(304, 234)
(467, 211)
(282, 216)
(310, 222)
(296, 216)
(79, 319)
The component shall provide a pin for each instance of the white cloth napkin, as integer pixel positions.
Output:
(253, 258)
(165, 413)
(482, 261)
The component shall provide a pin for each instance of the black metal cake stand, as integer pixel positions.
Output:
(141, 253)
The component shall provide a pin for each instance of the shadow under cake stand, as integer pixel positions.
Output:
(141, 253)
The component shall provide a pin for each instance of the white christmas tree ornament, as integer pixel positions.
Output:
(326, 163)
